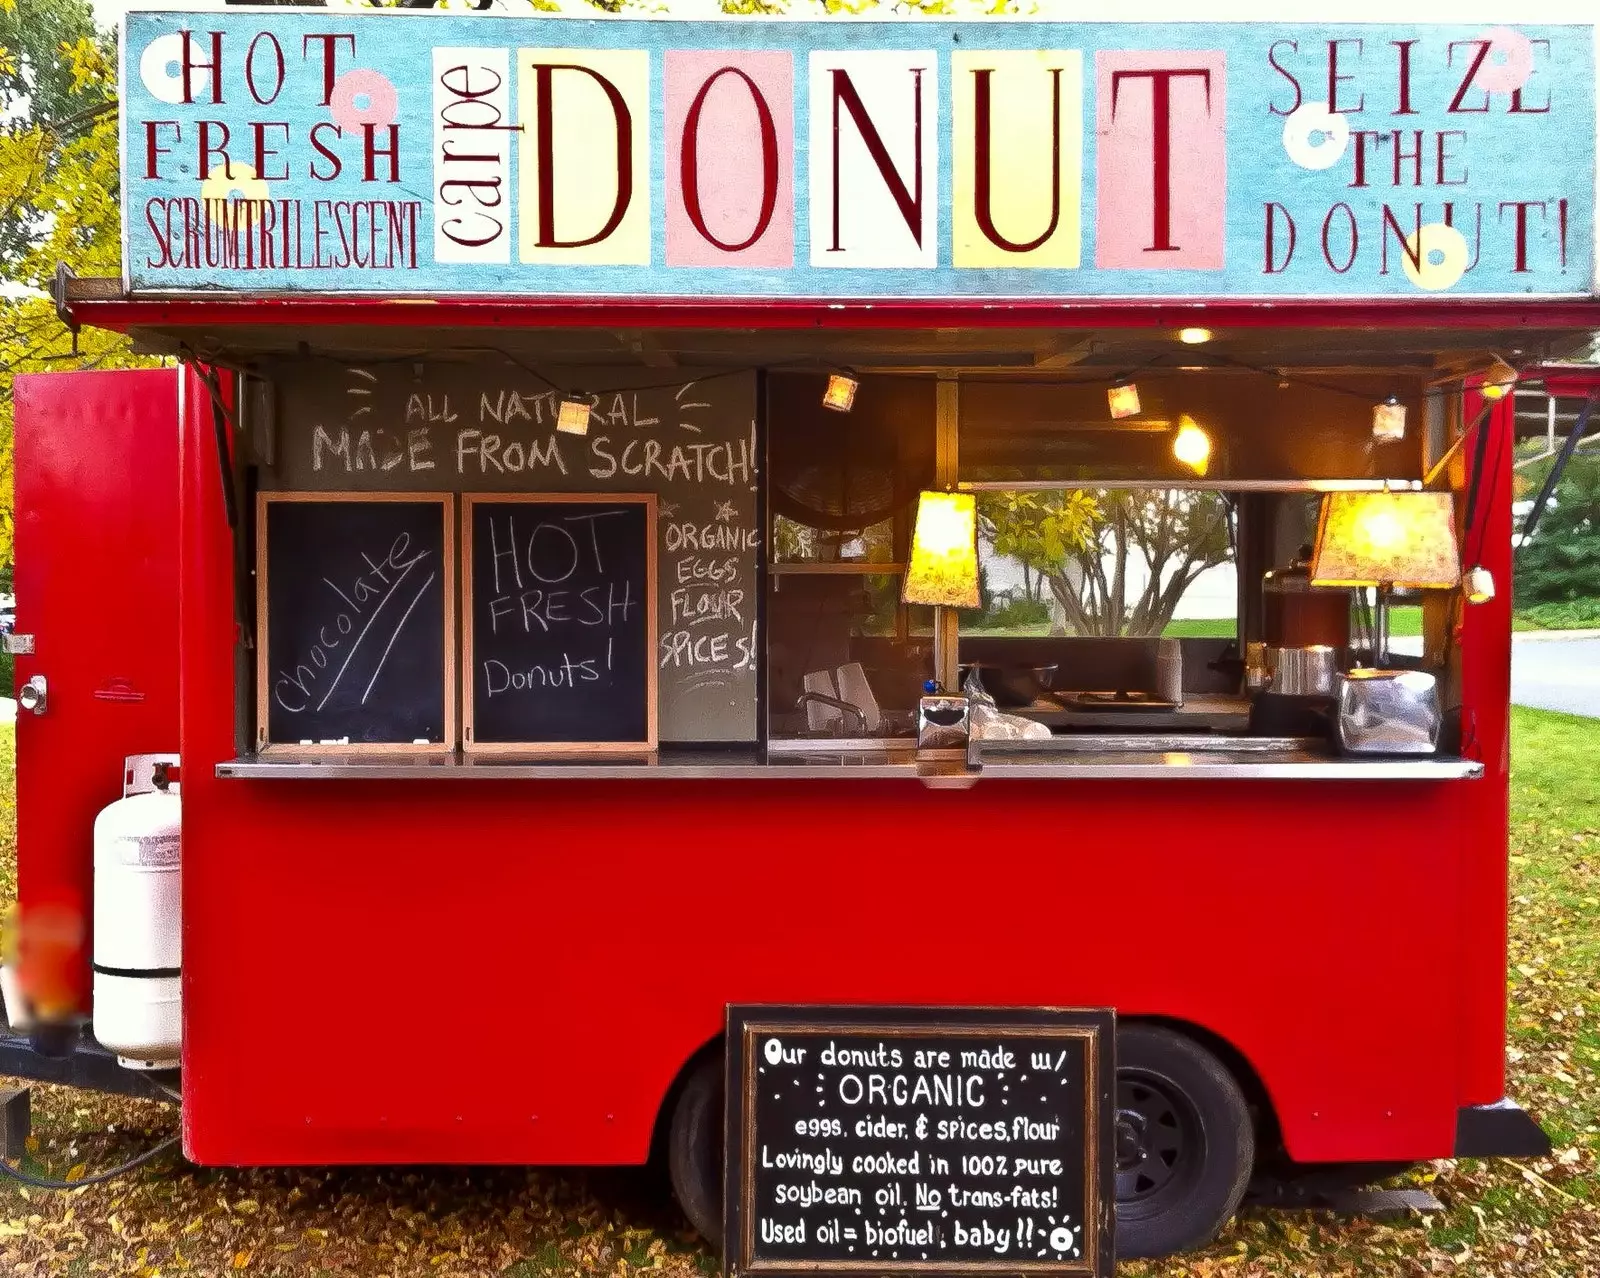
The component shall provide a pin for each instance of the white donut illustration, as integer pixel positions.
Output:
(1443, 254)
(250, 190)
(1315, 137)
(161, 69)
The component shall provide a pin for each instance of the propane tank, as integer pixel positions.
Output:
(137, 938)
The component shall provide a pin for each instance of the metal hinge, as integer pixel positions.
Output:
(19, 645)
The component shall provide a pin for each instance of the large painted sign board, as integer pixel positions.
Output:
(457, 153)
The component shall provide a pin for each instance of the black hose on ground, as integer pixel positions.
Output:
(122, 1169)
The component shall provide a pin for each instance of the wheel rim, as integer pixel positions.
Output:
(1159, 1141)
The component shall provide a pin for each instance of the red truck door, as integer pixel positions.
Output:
(96, 580)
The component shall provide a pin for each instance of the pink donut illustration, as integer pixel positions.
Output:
(363, 97)
(1509, 62)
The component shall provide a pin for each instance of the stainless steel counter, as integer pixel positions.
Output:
(946, 770)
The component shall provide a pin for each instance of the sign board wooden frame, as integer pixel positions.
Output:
(648, 745)
(446, 503)
(1094, 1029)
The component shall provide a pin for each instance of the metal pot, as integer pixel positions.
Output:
(1012, 686)
(1304, 672)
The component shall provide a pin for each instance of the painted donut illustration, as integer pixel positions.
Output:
(243, 184)
(1443, 254)
(1508, 63)
(1315, 137)
(363, 97)
(161, 69)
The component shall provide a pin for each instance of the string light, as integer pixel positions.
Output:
(1498, 380)
(1389, 421)
(841, 393)
(1479, 585)
(573, 417)
(1123, 399)
(1195, 336)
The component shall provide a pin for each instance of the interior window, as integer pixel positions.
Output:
(844, 656)
(1106, 563)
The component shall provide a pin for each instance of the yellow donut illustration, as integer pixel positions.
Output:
(1442, 253)
(244, 184)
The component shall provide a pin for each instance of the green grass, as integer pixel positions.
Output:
(1201, 628)
(1578, 614)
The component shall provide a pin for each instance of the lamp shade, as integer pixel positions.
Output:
(944, 552)
(1387, 539)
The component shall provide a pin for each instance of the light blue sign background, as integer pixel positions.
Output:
(1508, 157)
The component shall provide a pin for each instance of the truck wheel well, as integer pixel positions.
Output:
(658, 1132)
(1269, 1135)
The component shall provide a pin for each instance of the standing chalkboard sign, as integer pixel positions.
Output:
(560, 623)
(934, 1140)
(355, 606)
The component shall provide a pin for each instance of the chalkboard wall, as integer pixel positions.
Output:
(489, 426)
(558, 642)
(354, 601)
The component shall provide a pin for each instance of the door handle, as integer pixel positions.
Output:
(34, 695)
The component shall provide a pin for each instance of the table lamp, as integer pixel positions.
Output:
(1390, 540)
(944, 552)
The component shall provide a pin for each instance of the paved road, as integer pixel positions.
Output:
(1557, 674)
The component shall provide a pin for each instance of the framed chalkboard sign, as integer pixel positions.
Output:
(934, 1140)
(355, 606)
(559, 623)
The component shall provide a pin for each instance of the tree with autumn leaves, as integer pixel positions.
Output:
(58, 195)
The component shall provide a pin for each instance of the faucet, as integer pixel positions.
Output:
(824, 699)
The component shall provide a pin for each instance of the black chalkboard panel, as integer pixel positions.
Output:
(560, 623)
(354, 601)
(937, 1140)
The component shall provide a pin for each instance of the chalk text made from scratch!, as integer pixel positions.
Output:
(477, 452)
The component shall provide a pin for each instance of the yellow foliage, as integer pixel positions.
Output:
(62, 177)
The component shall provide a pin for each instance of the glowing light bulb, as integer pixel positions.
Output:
(1195, 336)
(1192, 446)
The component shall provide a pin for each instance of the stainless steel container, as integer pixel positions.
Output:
(1255, 666)
(943, 722)
(1304, 672)
(1388, 712)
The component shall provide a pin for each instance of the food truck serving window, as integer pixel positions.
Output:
(447, 569)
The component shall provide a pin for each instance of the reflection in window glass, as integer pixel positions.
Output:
(1106, 562)
(797, 543)
(844, 638)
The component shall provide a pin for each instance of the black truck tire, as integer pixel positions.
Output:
(694, 1148)
(1185, 1145)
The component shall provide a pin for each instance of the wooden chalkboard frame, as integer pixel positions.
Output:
(1095, 1027)
(446, 502)
(650, 743)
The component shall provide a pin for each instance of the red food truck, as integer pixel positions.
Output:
(643, 516)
